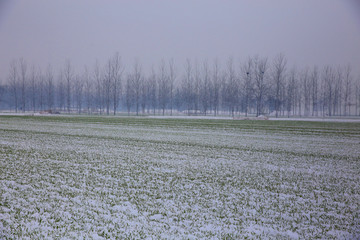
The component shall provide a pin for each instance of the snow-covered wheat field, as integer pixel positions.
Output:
(79, 177)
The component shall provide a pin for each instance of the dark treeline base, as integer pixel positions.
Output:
(254, 87)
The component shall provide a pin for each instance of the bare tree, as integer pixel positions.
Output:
(144, 94)
(41, 90)
(137, 80)
(68, 75)
(278, 80)
(88, 88)
(33, 87)
(216, 86)
(172, 78)
(78, 89)
(261, 86)
(314, 91)
(117, 70)
(347, 90)
(290, 92)
(357, 97)
(1, 90)
(338, 91)
(247, 73)
(187, 86)
(107, 84)
(298, 101)
(306, 90)
(23, 83)
(196, 87)
(99, 88)
(328, 79)
(129, 96)
(13, 82)
(205, 89)
(164, 86)
(61, 94)
(231, 88)
(152, 89)
(49, 86)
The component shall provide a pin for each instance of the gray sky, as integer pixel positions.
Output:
(308, 32)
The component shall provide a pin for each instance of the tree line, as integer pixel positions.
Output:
(257, 86)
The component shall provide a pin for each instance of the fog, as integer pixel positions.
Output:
(306, 32)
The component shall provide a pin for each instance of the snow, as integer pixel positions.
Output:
(130, 179)
(318, 119)
(305, 119)
(156, 217)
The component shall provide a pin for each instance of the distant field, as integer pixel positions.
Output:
(104, 177)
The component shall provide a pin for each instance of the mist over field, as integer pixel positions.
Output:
(254, 88)
(263, 58)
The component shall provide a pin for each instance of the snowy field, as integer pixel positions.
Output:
(135, 178)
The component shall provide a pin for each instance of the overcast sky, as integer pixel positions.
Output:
(308, 32)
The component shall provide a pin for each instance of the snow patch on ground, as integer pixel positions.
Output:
(102, 181)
